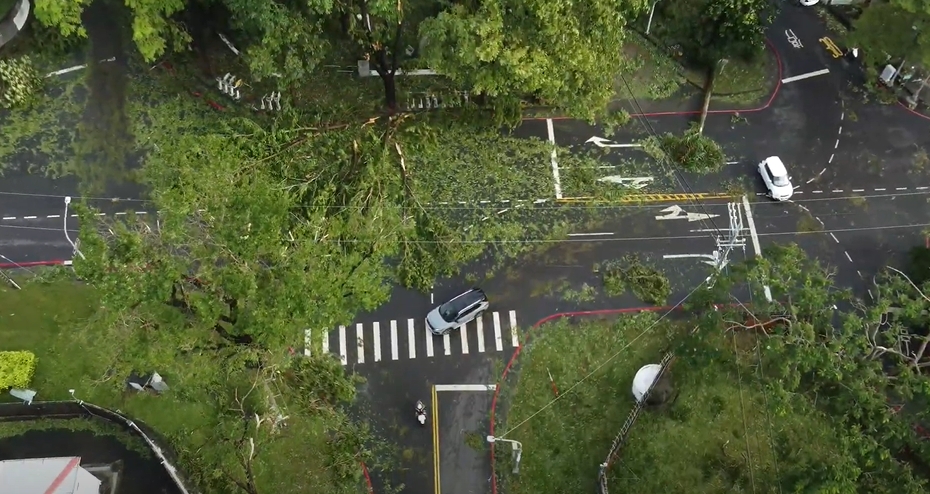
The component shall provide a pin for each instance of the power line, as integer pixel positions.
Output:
(610, 358)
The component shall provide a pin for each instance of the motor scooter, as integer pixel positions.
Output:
(421, 413)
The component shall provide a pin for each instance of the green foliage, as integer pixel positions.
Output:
(65, 16)
(615, 119)
(630, 273)
(20, 82)
(516, 49)
(887, 30)
(848, 365)
(16, 369)
(571, 437)
(692, 151)
(710, 30)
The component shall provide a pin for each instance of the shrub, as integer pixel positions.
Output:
(16, 369)
(20, 82)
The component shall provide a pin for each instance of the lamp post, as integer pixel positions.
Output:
(517, 450)
(652, 12)
(65, 228)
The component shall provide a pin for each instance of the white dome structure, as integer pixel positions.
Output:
(645, 377)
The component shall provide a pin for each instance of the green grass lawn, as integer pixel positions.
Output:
(564, 443)
(698, 443)
(5, 6)
(47, 319)
(655, 75)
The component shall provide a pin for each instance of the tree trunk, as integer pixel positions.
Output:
(390, 91)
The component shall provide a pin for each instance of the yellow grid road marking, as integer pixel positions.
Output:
(647, 198)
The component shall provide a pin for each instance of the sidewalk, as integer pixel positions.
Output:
(14, 21)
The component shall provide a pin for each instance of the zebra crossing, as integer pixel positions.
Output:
(408, 339)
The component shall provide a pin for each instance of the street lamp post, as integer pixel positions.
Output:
(652, 12)
(65, 228)
(517, 450)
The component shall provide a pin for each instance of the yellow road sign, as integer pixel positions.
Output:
(648, 198)
(831, 47)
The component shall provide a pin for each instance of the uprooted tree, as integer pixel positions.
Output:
(502, 53)
(855, 362)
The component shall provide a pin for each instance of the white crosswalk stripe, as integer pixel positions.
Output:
(369, 335)
(497, 333)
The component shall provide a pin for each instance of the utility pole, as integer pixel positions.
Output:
(652, 12)
(709, 91)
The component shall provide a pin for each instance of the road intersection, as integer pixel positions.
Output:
(862, 185)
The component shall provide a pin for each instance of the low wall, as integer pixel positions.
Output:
(79, 409)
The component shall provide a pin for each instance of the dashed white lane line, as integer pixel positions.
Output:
(839, 191)
(834, 237)
(847, 256)
(555, 164)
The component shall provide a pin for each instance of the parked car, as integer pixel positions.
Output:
(456, 312)
(776, 178)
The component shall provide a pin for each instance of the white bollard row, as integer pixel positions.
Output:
(229, 85)
(433, 102)
(271, 102)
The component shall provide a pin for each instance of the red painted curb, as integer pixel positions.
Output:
(921, 115)
(371, 489)
(698, 112)
(30, 264)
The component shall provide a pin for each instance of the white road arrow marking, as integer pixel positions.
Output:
(631, 182)
(607, 143)
(676, 213)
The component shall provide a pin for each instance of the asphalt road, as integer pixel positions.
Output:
(835, 147)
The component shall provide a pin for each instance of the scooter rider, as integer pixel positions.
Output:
(421, 412)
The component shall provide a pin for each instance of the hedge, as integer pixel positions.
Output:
(16, 369)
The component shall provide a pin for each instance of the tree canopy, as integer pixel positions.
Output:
(858, 363)
(726, 29)
(894, 29)
(563, 53)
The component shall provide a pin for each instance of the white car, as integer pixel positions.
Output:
(776, 178)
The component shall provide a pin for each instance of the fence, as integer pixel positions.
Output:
(618, 442)
(72, 409)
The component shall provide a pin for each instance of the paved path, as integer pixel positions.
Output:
(13, 23)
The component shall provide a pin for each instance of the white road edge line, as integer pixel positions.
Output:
(555, 164)
(747, 209)
(589, 234)
(805, 76)
(465, 387)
